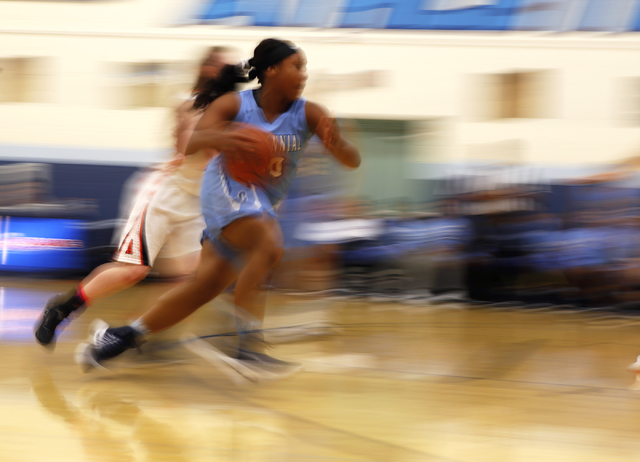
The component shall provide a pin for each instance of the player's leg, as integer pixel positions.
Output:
(256, 238)
(214, 274)
(108, 279)
(238, 225)
(260, 239)
(146, 233)
(112, 278)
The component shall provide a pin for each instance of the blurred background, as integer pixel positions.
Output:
(498, 139)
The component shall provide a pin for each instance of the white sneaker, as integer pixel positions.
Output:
(105, 344)
(84, 354)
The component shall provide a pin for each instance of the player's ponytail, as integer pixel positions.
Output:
(228, 79)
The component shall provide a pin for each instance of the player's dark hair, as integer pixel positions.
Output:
(268, 53)
(228, 79)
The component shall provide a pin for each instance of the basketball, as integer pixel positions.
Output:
(260, 168)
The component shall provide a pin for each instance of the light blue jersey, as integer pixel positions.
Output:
(225, 200)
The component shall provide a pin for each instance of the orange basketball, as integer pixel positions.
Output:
(260, 168)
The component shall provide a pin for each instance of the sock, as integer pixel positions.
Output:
(76, 301)
(139, 326)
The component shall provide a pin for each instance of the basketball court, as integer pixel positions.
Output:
(381, 382)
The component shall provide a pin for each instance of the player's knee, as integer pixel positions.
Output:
(272, 245)
(272, 250)
(136, 273)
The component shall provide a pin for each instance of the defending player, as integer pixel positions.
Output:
(166, 215)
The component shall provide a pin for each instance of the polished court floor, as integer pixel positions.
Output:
(381, 382)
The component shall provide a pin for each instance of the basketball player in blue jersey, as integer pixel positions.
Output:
(242, 241)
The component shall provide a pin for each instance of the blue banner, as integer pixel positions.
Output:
(41, 244)
(496, 15)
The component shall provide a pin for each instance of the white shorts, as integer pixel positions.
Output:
(164, 217)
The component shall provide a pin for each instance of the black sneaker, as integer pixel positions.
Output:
(244, 366)
(267, 367)
(234, 369)
(105, 343)
(52, 316)
(251, 351)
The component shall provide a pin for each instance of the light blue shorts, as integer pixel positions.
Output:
(224, 200)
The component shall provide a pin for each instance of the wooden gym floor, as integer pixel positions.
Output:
(386, 382)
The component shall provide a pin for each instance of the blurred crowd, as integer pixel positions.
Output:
(479, 237)
(571, 243)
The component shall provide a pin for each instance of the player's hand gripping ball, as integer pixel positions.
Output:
(264, 165)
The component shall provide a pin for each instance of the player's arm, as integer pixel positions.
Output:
(326, 128)
(212, 129)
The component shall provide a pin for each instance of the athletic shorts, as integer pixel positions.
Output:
(164, 218)
(224, 200)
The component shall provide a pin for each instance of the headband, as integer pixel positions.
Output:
(281, 51)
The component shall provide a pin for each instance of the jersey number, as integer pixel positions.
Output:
(275, 166)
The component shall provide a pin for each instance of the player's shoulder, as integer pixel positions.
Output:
(229, 98)
(314, 112)
(314, 109)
